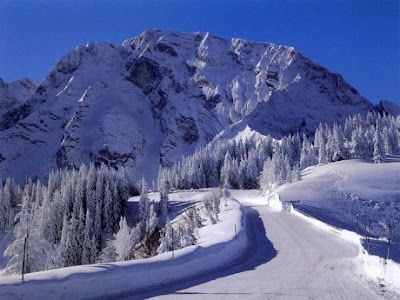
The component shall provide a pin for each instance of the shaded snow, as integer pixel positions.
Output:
(216, 247)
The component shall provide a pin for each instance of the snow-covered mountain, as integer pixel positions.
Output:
(158, 96)
(15, 93)
(388, 107)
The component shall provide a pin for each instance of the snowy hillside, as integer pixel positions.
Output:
(351, 192)
(158, 96)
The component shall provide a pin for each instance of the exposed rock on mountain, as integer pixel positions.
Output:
(158, 96)
(388, 108)
(15, 93)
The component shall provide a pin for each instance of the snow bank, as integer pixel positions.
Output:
(216, 247)
(342, 197)
(377, 268)
(381, 269)
(348, 192)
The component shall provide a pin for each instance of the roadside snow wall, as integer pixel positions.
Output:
(377, 268)
(217, 247)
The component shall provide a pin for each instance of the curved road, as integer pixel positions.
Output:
(297, 261)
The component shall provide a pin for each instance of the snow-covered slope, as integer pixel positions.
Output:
(350, 192)
(158, 96)
(15, 93)
(388, 107)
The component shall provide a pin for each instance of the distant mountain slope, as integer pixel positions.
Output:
(388, 107)
(15, 93)
(158, 96)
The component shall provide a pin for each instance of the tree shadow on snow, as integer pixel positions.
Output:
(380, 248)
(259, 251)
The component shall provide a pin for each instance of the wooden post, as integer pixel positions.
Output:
(173, 246)
(367, 233)
(357, 224)
(235, 233)
(389, 237)
(23, 259)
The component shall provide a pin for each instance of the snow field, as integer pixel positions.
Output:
(216, 247)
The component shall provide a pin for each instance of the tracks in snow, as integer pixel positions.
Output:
(288, 258)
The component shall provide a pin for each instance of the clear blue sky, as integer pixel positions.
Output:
(359, 39)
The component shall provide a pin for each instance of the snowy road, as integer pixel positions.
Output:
(303, 262)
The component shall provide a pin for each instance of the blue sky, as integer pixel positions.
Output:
(359, 39)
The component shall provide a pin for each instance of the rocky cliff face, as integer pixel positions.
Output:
(15, 93)
(388, 107)
(158, 96)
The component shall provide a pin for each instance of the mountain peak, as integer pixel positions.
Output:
(162, 94)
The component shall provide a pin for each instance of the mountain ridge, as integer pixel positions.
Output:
(161, 94)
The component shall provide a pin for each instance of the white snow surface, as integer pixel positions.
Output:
(373, 261)
(337, 192)
(216, 247)
(289, 258)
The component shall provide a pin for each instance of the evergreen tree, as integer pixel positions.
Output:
(189, 237)
(29, 242)
(322, 159)
(144, 208)
(88, 245)
(109, 253)
(123, 242)
(108, 209)
(163, 187)
(163, 243)
(379, 151)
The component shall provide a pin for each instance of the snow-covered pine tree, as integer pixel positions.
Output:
(97, 229)
(72, 246)
(29, 242)
(189, 236)
(144, 208)
(152, 221)
(337, 144)
(108, 209)
(296, 174)
(252, 171)
(91, 191)
(163, 243)
(124, 185)
(109, 253)
(319, 135)
(5, 209)
(88, 245)
(118, 206)
(123, 241)
(379, 150)
(163, 187)
(322, 159)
